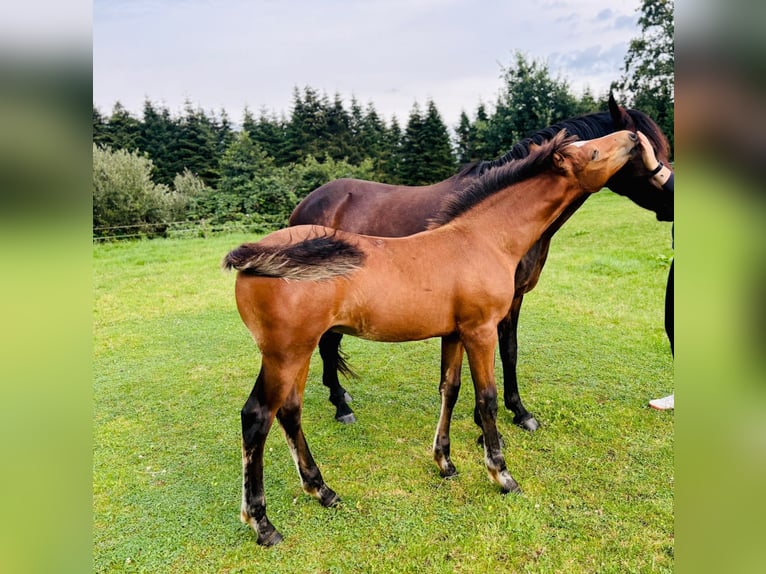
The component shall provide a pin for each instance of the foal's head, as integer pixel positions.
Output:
(592, 162)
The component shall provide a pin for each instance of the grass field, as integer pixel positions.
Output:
(173, 365)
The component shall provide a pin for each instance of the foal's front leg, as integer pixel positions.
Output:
(449, 388)
(289, 417)
(480, 346)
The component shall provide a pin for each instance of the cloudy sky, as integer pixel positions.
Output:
(234, 54)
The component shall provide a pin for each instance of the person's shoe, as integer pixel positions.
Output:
(663, 404)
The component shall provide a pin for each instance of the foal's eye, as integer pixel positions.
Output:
(594, 155)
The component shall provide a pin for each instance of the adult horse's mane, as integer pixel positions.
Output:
(588, 126)
(535, 160)
(312, 259)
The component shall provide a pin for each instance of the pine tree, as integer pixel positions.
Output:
(438, 156)
(426, 150)
(124, 131)
(248, 122)
(195, 146)
(392, 167)
(464, 142)
(269, 132)
(156, 137)
(412, 148)
(338, 137)
(223, 132)
(100, 129)
(308, 125)
(372, 138)
(356, 124)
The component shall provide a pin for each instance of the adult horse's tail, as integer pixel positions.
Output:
(312, 259)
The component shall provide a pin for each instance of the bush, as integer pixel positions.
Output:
(193, 192)
(125, 199)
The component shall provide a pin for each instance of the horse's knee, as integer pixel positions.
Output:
(486, 401)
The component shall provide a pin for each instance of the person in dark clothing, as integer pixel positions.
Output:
(663, 178)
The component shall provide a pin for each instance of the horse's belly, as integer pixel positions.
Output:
(394, 325)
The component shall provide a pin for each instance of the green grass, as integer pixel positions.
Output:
(173, 365)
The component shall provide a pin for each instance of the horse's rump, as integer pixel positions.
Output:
(310, 259)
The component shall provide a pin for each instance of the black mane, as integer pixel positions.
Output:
(513, 170)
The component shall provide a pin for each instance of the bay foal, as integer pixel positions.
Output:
(454, 281)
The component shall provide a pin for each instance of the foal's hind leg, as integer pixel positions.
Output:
(449, 388)
(257, 417)
(507, 332)
(332, 362)
(289, 417)
(278, 389)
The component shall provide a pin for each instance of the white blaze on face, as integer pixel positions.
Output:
(579, 143)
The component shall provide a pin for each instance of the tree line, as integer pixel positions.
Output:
(154, 171)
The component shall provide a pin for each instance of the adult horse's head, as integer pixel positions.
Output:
(594, 162)
(633, 180)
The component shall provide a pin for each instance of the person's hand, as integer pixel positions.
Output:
(647, 152)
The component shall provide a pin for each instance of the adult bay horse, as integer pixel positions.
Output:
(453, 281)
(373, 208)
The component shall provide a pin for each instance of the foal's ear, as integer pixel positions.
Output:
(559, 160)
(533, 147)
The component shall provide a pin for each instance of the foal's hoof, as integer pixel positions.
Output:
(347, 397)
(346, 419)
(449, 471)
(271, 539)
(527, 422)
(327, 497)
(512, 488)
(266, 534)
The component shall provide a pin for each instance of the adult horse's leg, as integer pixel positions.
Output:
(332, 362)
(449, 388)
(289, 416)
(507, 332)
(480, 346)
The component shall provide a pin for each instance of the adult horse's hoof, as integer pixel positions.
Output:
(527, 422)
(346, 419)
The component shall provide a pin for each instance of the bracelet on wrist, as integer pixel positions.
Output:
(656, 170)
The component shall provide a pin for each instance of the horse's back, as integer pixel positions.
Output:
(371, 208)
(328, 204)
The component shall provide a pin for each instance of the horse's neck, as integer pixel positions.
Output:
(568, 212)
(520, 214)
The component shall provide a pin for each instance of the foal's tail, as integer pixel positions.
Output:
(313, 259)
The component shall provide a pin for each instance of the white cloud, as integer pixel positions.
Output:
(391, 52)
